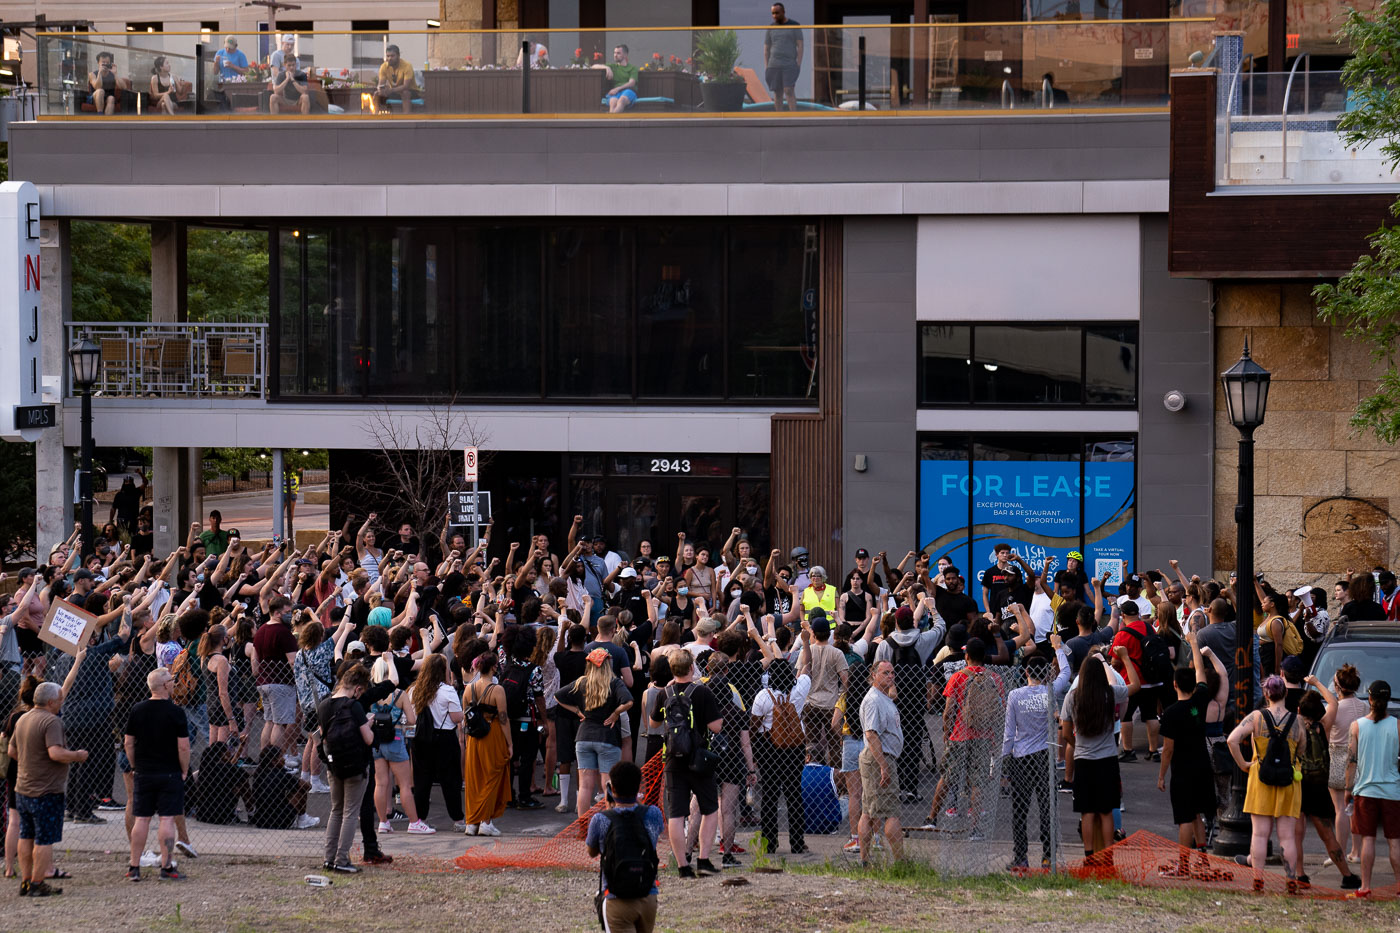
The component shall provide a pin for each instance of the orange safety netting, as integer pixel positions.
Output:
(566, 849)
(1149, 860)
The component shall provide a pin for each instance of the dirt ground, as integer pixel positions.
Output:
(233, 894)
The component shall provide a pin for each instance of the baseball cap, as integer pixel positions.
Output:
(820, 626)
(1131, 578)
(628, 572)
(862, 554)
(597, 538)
(356, 646)
(83, 574)
(817, 614)
(1129, 607)
(663, 559)
(1294, 667)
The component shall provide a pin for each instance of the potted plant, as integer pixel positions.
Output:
(716, 55)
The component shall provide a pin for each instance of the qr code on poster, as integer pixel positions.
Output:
(1113, 567)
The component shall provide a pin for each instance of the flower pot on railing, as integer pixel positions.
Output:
(723, 96)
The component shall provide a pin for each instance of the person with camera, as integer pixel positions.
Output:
(624, 834)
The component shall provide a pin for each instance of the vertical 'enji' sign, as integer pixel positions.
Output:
(21, 339)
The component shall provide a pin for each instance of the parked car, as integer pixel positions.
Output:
(1373, 648)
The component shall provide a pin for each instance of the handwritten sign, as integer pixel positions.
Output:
(67, 627)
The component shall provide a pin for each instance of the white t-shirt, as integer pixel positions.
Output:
(1145, 608)
(763, 700)
(1042, 615)
(444, 703)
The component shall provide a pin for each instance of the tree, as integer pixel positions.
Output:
(227, 275)
(111, 271)
(1366, 301)
(419, 459)
(17, 515)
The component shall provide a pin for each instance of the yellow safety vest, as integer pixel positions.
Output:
(827, 600)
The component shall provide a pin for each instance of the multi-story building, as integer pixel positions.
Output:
(931, 310)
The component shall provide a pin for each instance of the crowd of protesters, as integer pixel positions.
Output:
(383, 665)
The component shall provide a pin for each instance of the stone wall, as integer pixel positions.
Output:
(1327, 496)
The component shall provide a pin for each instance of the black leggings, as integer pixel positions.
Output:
(526, 745)
(1029, 776)
(780, 775)
(369, 818)
(437, 759)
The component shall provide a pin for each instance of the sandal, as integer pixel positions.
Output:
(59, 873)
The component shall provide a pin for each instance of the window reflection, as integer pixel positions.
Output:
(772, 310)
(588, 303)
(499, 325)
(945, 353)
(678, 312)
(1027, 365)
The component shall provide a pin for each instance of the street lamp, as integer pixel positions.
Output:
(1246, 386)
(84, 358)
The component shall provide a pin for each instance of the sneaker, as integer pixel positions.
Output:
(687, 872)
(379, 858)
(931, 824)
(460, 826)
(704, 868)
(852, 846)
(800, 850)
(1064, 787)
(562, 807)
(1351, 883)
(292, 761)
(1242, 860)
(1127, 756)
(345, 868)
(319, 786)
(420, 829)
(150, 859)
(1361, 894)
(24, 889)
(307, 821)
(44, 889)
(133, 873)
(470, 829)
(530, 804)
(171, 873)
(729, 861)
(385, 827)
(187, 849)
(737, 849)
(107, 803)
(1019, 864)
(1119, 835)
(397, 814)
(92, 819)
(487, 829)
(976, 836)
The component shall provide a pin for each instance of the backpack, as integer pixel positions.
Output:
(386, 719)
(909, 676)
(629, 860)
(681, 743)
(1276, 764)
(477, 725)
(516, 684)
(1292, 638)
(1314, 757)
(342, 747)
(186, 683)
(981, 703)
(1156, 656)
(787, 725)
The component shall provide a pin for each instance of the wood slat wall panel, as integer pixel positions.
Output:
(806, 451)
(1253, 236)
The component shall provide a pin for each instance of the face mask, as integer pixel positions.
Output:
(734, 594)
(200, 578)
(682, 590)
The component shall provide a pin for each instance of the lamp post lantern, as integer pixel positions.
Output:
(1246, 386)
(84, 358)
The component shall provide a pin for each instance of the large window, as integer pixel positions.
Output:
(1044, 494)
(1014, 365)
(627, 312)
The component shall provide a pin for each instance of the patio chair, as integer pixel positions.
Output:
(117, 370)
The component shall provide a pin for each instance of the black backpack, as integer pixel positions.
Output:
(516, 684)
(680, 727)
(342, 747)
(1156, 657)
(909, 676)
(1276, 764)
(629, 860)
(1314, 757)
(385, 723)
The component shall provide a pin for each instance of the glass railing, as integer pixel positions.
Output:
(815, 70)
(1280, 128)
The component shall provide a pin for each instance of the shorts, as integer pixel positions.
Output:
(565, 728)
(628, 95)
(779, 77)
(1317, 801)
(969, 763)
(597, 756)
(850, 754)
(396, 750)
(681, 783)
(1191, 798)
(309, 723)
(158, 795)
(1367, 815)
(279, 703)
(1145, 700)
(124, 763)
(1337, 776)
(876, 802)
(1098, 788)
(40, 818)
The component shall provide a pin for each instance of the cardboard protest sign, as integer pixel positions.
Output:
(67, 627)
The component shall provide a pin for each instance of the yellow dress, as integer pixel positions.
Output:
(1265, 800)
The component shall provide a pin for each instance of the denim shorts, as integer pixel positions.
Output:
(396, 750)
(279, 703)
(850, 754)
(597, 756)
(40, 818)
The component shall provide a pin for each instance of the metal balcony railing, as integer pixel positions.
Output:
(174, 361)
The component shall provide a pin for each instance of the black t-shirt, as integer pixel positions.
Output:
(998, 583)
(592, 728)
(1184, 722)
(704, 710)
(954, 607)
(157, 726)
(142, 543)
(621, 657)
(570, 666)
(633, 601)
(1367, 611)
(271, 790)
(359, 614)
(777, 602)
